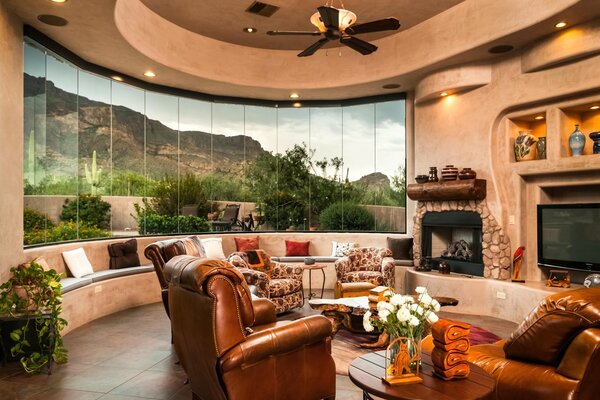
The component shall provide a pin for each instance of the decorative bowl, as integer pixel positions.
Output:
(309, 261)
(421, 178)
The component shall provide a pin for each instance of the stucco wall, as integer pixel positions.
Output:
(465, 129)
(11, 132)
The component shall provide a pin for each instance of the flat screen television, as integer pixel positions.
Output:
(569, 236)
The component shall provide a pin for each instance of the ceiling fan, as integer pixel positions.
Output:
(339, 24)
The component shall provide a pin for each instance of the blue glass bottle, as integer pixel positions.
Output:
(577, 142)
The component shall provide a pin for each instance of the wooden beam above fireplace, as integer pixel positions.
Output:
(468, 189)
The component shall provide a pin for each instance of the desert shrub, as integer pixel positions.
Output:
(88, 209)
(283, 209)
(169, 195)
(35, 220)
(347, 216)
(64, 231)
(156, 223)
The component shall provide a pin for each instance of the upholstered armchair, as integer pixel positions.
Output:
(366, 264)
(233, 348)
(282, 284)
(553, 354)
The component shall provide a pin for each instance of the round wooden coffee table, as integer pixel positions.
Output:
(366, 373)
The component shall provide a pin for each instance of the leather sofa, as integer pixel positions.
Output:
(365, 264)
(233, 348)
(553, 354)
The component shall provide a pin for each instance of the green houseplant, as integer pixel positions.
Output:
(35, 294)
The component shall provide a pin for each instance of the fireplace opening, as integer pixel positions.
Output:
(454, 237)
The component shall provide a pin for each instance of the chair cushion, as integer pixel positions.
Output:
(281, 287)
(545, 334)
(293, 248)
(375, 277)
(123, 254)
(246, 243)
(68, 284)
(401, 248)
(77, 262)
(115, 273)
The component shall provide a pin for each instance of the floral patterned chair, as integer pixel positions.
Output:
(366, 264)
(281, 283)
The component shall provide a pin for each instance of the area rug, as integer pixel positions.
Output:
(344, 346)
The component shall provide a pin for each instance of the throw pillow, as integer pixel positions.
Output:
(401, 248)
(213, 248)
(339, 249)
(193, 246)
(246, 243)
(78, 263)
(238, 259)
(296, 248)
(41, 261)
(255, 259)
(123, 254)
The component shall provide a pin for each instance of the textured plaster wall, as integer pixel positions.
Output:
(11, 135)
(463, 129)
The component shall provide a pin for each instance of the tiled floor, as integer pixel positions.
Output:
(128, 355)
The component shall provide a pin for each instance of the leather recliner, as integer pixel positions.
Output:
(233, 348)
(554, 353)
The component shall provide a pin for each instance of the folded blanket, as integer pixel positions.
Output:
(447, 331)
(447, 359)
(462, 345)
(458, 371)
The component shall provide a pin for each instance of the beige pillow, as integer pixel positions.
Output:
(213, 248)
(78, 263)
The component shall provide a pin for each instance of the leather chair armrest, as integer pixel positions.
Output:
(264, 311)
(277, 340)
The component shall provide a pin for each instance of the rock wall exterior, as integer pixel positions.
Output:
(495, 243)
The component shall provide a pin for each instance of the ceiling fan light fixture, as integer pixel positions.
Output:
(346, 19)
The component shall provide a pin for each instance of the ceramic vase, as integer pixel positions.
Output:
(433, 175)
(541, 148)
(449, 173)
(577, 142)
(595, 136)
(467, 173)
(525, 146)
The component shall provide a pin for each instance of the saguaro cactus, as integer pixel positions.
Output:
(93, 177)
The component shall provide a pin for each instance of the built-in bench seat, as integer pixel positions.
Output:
(294, 259)
(71, 283)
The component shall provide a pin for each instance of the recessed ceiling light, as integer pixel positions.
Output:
(391, 86)
(594, 107)
(294, 96)
(117, 78)
(503, 48)
(58, 1)
(297, 105)
(539, 117)
(53, 20)
(561, 24)
(444, 94)
(250, 29)
(149, 74)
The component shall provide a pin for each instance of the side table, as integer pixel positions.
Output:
(310, 268)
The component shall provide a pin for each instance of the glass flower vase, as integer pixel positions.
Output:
(403, 361)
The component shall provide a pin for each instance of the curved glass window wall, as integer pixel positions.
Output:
(103, 158)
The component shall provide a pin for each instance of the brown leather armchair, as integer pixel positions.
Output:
(553, 354)
(233, 348)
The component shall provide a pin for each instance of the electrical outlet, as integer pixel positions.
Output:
(511, 219)
(98, 289)
(501, 295)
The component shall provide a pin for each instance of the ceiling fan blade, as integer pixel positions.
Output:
(387, 24)
(303, 33)
(330, 17)
(361, 46)
(314, 47)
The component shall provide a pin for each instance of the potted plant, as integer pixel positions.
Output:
(31, 302)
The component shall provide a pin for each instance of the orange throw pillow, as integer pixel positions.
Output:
(246, 243)
(296, 248)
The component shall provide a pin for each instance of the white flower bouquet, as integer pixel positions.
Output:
(403, 316)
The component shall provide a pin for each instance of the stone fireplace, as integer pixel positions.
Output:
(438, 224)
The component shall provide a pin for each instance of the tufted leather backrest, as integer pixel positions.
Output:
(543, 337)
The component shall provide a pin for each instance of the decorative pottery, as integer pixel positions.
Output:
(595, 136)
(467, 173)
(444, 268)
(525, 146)
(449, 173)
(309, 261)
(421, 178)
(577, 142)
(541, 148)
(433, 175)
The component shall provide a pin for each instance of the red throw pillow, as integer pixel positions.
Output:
(296, 248)
(246, 243)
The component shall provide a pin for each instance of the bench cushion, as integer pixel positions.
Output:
(115, 273)
(404, 263)
(292, 259)
(68, 284)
